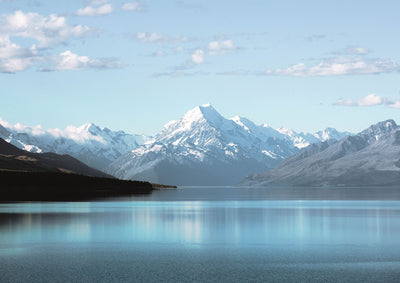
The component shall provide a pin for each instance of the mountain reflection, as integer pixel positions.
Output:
(194, 222)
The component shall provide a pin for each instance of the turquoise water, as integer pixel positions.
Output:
(205, 234)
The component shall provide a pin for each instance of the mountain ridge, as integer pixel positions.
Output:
(371, 157)
(204, 148)
(89, 143)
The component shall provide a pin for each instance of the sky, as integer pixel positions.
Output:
(134, 66)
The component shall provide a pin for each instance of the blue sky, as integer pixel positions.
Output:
(136, 65)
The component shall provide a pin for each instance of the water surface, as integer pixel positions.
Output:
(207, 234)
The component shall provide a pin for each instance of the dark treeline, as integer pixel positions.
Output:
(53, 186)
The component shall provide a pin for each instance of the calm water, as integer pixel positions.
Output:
(207, 234)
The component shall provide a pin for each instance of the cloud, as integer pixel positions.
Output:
(369, 100)
(337, 67)
(95, 11)
(198, 56)
(132, 6)
(15, 58)
(155, 37)
(220, 47)
(70, 61)
(48, 31)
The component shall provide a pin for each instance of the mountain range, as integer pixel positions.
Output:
(369, 158)
(204, 148)
(201, 148)
(95, 146)
(27, 176)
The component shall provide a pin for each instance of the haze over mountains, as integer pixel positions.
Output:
(370, 158)
(204, 148)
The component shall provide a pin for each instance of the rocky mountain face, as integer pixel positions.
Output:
(95, 146)
(204, 148)
(370, 158)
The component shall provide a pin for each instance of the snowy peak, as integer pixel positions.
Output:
(381, 128)
(330, 133)
(370, 158)
(204, 112)
(89, 143)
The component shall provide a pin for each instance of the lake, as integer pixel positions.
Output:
(212, 234)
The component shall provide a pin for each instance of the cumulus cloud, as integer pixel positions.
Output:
(78, 134)
(369, 100)
(132, 6)
(48, 31)
(70, 61)
(95, 11)
(15, 58)
(220, 47)
(198, 56)
(339, 66)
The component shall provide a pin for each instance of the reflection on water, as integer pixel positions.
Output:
(249, 231)
(225, 223)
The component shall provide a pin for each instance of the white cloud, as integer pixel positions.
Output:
(70, 61)
(78, 134)
(369, 100)
(132, 6)
(220, 47)
(198, 56)
(394, 104)
(14, 58)
(95, 11)
(339, 66)
(48, 31)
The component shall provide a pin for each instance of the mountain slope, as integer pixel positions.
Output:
(204, 148)
(95, 146)
(15, 159)
(369, 158)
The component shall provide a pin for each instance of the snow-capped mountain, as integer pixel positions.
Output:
(369, 158)
(302, 140)
(204, 148)
(95, 146)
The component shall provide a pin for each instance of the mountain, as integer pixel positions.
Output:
(27, 176)
(370, 158)
(95, 146)
(15, 159)
(204, 148)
